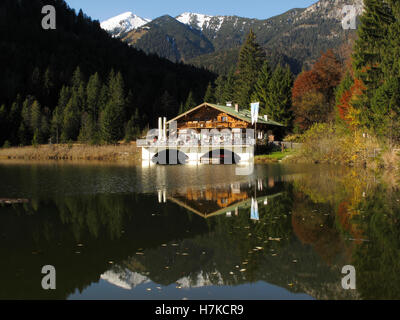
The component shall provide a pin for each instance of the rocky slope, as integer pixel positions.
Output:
(296, 37)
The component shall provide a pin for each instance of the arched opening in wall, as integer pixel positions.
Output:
(170, 157)
(220, 156)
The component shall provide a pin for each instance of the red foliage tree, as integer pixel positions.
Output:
(321, 79)
(307, 81)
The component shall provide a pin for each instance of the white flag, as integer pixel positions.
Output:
(254, 210)
(254, 112)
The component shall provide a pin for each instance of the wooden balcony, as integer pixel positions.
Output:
(213, 125)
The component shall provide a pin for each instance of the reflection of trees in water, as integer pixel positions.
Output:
(49, 219)
(366, 227)
(314, 224)
(378, 261)
(80, 236)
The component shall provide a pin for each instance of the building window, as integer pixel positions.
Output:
(224, 119)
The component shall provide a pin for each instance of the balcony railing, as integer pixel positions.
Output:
(213, 124)
(196, 142)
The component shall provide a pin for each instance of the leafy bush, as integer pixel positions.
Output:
(293, 138)
(332, 143)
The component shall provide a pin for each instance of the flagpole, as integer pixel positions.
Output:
(255, 132)
(254, 116)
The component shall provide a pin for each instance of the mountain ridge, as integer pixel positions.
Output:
(297, 35)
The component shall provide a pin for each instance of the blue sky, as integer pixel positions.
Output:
(260, 9)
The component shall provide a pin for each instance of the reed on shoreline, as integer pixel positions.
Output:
(125, 152)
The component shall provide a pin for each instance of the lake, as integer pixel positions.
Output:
(197, 232)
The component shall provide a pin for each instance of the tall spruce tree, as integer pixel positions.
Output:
(372, 34)
(376, 62)
(93, 94)
(261, 92)
(251, 59)
(71, 119)
(165, 106)
(58, 114)
(219, 89)
(209, 95)
(229, 87)
(369, 52)
(112, 118)
(190, 102)
(278, 102)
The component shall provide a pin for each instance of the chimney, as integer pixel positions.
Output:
(160, 131)
(164, 128)
(236, 107)
(266, 117)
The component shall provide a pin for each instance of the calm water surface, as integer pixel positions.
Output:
(127, 232)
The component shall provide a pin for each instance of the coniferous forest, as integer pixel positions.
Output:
(77, 83)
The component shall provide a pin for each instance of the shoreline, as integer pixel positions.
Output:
(72, 152)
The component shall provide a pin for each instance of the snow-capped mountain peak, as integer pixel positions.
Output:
(200, 21)
(122, 23)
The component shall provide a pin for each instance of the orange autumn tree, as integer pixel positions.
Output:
(313, 91)
(348, 94)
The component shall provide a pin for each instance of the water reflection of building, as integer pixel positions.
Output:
(212, 200)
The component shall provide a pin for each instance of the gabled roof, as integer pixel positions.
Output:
(241, 205)
(244, 115)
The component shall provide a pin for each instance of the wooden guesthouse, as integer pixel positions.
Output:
(213, 116)
(208, 132)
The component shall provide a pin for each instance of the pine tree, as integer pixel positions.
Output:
(71, 120)
(229, 87)
(181, 109)
(112, 118)
(77, 79)
(87, 133)
(132, 130)
(23, 134)
(278, 102)
(190, 102)
(45, 126)
(58, 114)
(376, 56)
(93, 94)
(26, 112)
(103, 99)
(166, 105)
(36, 116)
(209, 95)
(261, 93)
(219, 89)
(251, 59)
(372, 32)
